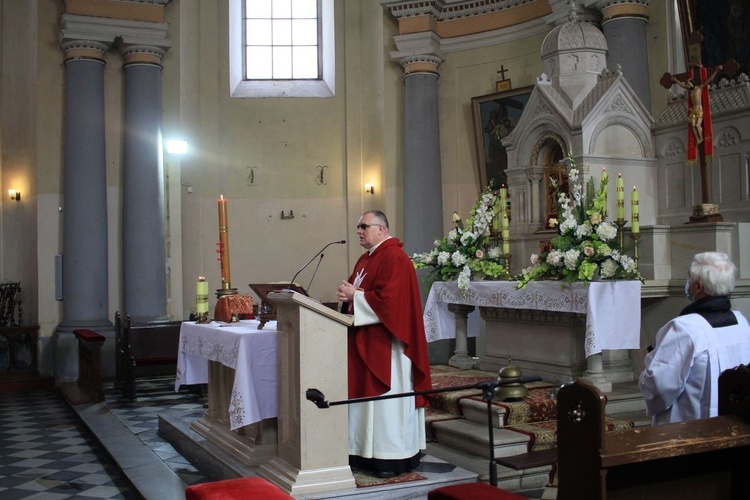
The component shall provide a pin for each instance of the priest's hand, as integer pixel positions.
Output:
(345, 292)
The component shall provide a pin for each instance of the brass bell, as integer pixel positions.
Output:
(512, 387)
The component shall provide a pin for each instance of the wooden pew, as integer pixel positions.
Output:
(141, 345)
(703, 459)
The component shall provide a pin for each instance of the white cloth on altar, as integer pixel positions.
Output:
(390, 429)
(242, 346)
(612, 308)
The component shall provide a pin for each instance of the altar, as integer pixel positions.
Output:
(239, 362)
(552, 329)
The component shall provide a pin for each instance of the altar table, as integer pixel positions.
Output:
(612, 308)
(244, 348)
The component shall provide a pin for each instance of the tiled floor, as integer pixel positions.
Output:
(52, 450)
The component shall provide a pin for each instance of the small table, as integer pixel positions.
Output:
(239, 363)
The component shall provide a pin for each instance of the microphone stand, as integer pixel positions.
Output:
(316, 271)
(488, 392)
(294, 288)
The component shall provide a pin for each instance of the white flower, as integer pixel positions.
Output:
(463, 279)
(552, 222)
(456, 217)
(595, 218)
(467, 238)
(627, 263)
(555, 258)
(436, 243)
(571, 259)
(453, 235)
(479, 253)
(569, 224)
(494, 253)
(534, 259)
(608, 268)
(458, 258)
(443, 258)
(606, 231)
(583, 230)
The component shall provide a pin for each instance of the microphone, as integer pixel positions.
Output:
(339, 242)
(316, 271)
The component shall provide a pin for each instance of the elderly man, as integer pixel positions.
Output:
(680, 381)
(387, 353)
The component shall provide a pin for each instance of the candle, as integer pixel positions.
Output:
(635, 225)
(505, 233)
(226, 278)
(602, 181)
(201, 296)
(620, 198)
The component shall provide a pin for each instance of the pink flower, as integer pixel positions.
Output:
(480, 254)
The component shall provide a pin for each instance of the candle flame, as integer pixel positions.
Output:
(221, 196)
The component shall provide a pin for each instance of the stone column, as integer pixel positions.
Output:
(624, 27)
(144, 261)
(535, 178)
(85, 279)
(423, 184)
(461, 358)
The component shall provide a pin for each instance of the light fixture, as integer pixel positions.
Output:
(14, 195)
(177, 147)
(369, 188)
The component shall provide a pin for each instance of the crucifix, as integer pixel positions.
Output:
(503, 83)
(700, 129)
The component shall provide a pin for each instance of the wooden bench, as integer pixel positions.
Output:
(141, 345)
(90, 363)
(697, 459)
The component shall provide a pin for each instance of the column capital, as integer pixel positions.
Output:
(614, 9)
(84, 49)
(420, 64)
(418, 52)
(141, 54)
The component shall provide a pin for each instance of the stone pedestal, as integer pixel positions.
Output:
(549, 344)
(252, 444)
(461, 358)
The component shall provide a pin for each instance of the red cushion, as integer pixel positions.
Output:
(472, 491)
(89, 335)
(235, 489)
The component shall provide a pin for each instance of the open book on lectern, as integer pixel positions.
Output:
(263, 289)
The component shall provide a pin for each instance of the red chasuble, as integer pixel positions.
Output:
(392, 291)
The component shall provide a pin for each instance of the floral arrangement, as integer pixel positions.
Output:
(586, 246)
(470, 251)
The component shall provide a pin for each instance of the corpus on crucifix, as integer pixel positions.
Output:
(700, 133)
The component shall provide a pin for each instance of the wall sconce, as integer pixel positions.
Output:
(14, 195)
(369, 188)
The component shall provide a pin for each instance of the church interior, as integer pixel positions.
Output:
(418, 107)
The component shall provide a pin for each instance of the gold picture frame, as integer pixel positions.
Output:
(495, 115)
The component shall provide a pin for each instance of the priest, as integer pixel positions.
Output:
(387, 353)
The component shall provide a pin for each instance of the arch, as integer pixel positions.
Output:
(643, 140)
(542, 143)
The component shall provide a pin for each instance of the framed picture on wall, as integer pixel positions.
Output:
(495, 116)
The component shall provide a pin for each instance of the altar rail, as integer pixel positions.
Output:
(703, 458)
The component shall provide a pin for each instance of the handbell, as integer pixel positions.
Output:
(511, 388)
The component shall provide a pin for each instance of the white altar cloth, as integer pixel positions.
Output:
(242, 346)
(612, 308)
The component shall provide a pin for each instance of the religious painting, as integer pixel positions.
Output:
(725, 27)
(495, 117)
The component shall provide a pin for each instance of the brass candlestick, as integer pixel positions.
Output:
(507, 261)
(202, 318)
(636, 237)
(620, 227)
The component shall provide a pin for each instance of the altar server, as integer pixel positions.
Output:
(387, 353)
(680, 381)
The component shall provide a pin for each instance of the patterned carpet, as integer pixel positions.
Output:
(534, 416)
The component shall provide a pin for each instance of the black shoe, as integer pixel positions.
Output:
(386, 474)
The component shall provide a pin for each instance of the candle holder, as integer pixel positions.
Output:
(636, 237)
(202, 318)
(507, 257)
(620, 227)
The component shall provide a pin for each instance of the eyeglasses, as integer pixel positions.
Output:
(364, 227)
